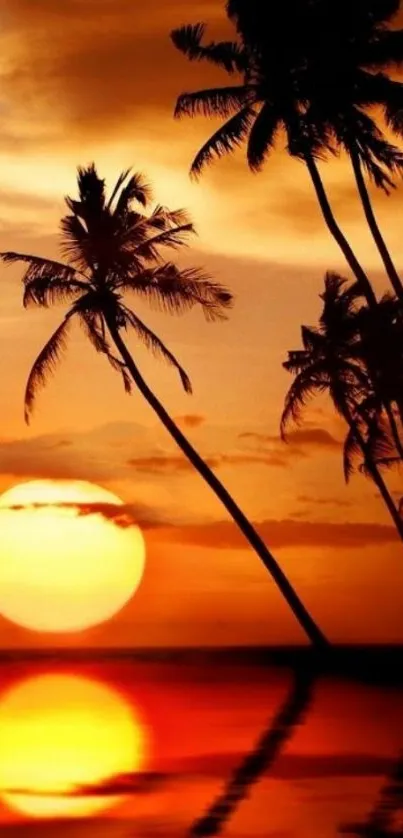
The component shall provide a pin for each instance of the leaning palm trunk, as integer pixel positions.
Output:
(337, 234)
(373, 471)
(394, 428)
(300, 612)
(373, 224)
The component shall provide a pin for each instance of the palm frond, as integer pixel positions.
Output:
(262, 136)
(297, 361)
(77, 243)
(382, 160)
(40, 267)
(352, 452)
(188, 38)
(308, 383)
(217, 101)
(225, 140)
(47, 293)
(94, 329)
(226, 54)
(177, 291)
(45, 364)
(46, 281)
(136, 189)
(172, 238)
(155, 345)
(91, 188)
(118, 185)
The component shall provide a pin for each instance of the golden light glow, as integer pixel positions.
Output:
(64, 565)
(59, 733)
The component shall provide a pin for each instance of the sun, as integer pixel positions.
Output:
(70, 555)
(61, 736)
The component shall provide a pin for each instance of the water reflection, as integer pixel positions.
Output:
(253, 751)
(386, 816)
(60, 736)
(267, 749)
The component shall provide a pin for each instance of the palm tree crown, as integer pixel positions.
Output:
(293, 78)
(339, 358)
(329, 361)
(316, 71)
(112, 247)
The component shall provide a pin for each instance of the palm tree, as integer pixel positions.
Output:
(111, 248)
(342, 95)
(291, 83)
(331, 362)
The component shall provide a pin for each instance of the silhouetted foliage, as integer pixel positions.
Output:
(355, 355)
(316, 80)
(113, 249)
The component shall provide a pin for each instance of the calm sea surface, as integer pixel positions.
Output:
(121, 748)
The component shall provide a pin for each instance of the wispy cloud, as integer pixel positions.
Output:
(123, 515)
(286, 533)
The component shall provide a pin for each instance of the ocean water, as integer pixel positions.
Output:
(120, 747)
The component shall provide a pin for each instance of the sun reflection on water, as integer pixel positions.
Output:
(60, 733)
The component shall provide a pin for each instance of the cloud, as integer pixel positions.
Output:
(98, 63)
(285, 533)
(166, 464)
(292, 766)
(317, 501)
(309, 437)
(177, 464)
(191, 420)
(315, 437)
(83, 455)
(135, 784)
(123, 515)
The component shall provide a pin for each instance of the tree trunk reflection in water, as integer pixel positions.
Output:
(267, 749)
(386, 818)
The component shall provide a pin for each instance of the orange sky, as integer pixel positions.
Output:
(97, 80)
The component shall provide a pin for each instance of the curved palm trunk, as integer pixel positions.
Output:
(300, 612)
(383, 490)
(394, 429)
(257, 762)
(336, 232)
(375, 473)
(373, 224)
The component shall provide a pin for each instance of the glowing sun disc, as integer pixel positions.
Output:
(67, 561)
(59, 733)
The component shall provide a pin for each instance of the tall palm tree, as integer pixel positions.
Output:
(112, 248)
(343, 94)
(290, 82)
(331, 362)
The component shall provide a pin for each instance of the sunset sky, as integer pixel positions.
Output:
(97, 80)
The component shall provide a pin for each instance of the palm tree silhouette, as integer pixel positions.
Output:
(333, 361)
(292, 83)
(342, 92)
(111, 247)
(267, 749)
